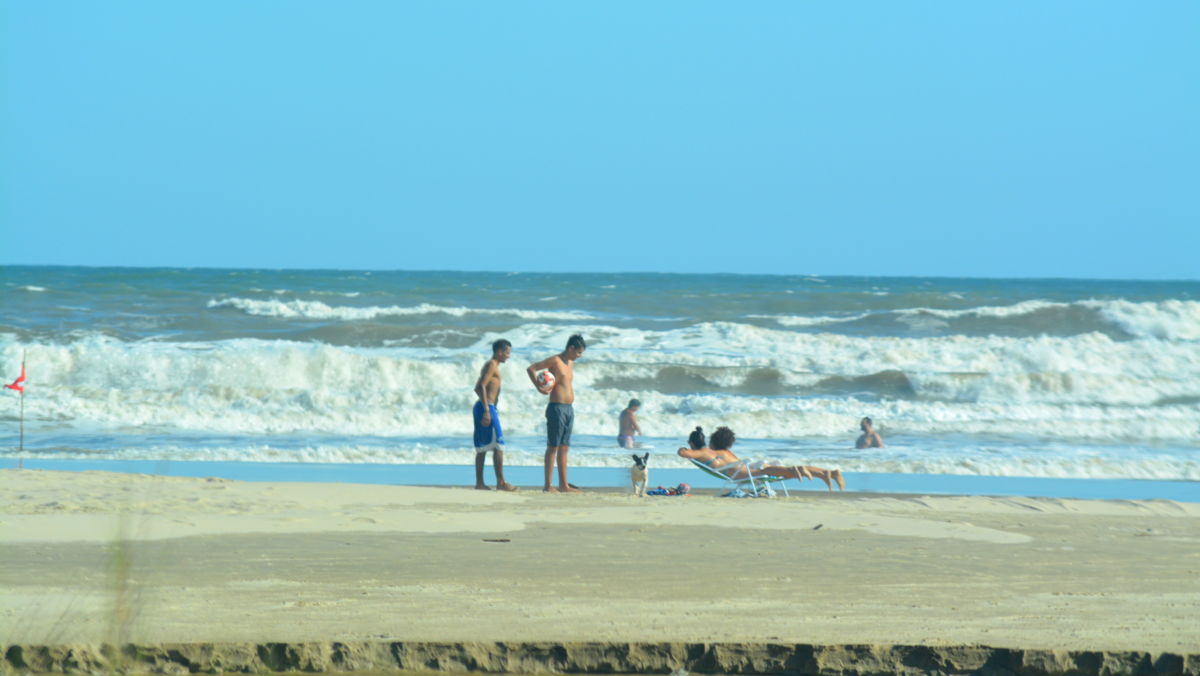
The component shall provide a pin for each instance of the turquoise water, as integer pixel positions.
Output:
(530, 478)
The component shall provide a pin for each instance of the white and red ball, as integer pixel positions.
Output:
(544, 379)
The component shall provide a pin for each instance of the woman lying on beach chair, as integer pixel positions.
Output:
(721, 460)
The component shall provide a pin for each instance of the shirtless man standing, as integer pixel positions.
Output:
(869, 438)
(560, 416)
(488, 434)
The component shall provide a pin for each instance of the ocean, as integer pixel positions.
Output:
(1046, 378)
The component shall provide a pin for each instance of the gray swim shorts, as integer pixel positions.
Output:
(559, 420)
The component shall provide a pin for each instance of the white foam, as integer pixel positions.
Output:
(343, 294)
(309, 309)
(1017, 309)
(814, 320)
(1051, 390)
(1087, 387)
(920, 317)
(1086, 369)
(1169, 319)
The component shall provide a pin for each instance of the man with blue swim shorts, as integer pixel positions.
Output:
(488, 434)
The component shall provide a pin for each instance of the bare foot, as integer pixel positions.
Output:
(569, 488)
(824, 476)
(506, 487)
(549, 489)
(482, 487)
(803, 471)
(837, 475)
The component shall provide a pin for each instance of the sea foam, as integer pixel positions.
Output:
(1087, 387)
(1166, 320)
(311, 309)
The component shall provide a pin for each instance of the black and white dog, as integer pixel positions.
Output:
(639, 474)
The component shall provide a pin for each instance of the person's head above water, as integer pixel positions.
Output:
(634, 403)
(722, 439)
(696, 438)
(864, 424)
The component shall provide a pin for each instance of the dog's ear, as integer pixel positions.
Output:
(636, 460)
(645, 459)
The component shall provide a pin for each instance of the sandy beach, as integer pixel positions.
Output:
(92, 557)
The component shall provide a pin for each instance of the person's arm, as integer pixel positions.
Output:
(481, 389)
(633, 419)
(540, 366)
(878, 440)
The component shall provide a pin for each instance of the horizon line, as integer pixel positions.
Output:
(818, 275)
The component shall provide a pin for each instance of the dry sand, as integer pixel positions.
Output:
(92, 557)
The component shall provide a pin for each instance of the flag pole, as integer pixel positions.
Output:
(21, 443)
(19, 386)
(21, 423)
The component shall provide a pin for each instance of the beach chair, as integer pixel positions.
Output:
(756, 486)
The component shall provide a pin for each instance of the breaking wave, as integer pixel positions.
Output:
(310, 309)
(1165, 320)
(770, 383)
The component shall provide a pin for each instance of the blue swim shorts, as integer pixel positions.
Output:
(487, 437)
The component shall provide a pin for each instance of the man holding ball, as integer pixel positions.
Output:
(560, 415)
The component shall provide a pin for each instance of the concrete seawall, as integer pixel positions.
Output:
(592, 658)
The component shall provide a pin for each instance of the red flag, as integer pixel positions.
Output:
(19, 383)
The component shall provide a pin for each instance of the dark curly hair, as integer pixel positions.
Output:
(722, 439)
(696, 438)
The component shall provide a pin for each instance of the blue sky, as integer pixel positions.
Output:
(993, 139)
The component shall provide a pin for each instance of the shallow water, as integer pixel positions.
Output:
(613, 479)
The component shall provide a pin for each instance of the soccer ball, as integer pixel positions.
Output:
(545, 379)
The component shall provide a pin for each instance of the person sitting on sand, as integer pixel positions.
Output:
(719, 456)
(870, 438)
